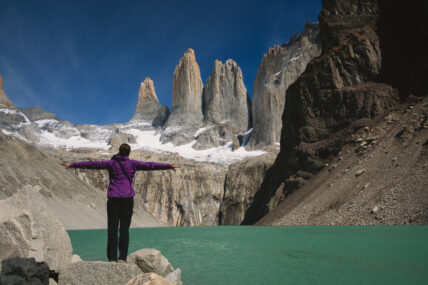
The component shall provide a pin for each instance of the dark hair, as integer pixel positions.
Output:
(124, 149)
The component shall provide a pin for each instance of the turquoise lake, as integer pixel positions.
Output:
(280, 255)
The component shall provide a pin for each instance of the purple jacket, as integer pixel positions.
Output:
(120, 185)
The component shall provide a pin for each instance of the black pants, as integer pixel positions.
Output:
(119, 212)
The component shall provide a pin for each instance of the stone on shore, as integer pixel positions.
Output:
(28, 228)
(97, 273)
(18, 270)
(175, 277)
(151, 260)
(149, 279)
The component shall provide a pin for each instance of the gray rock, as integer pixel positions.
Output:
(29, 229)
(24, 271)
(279, 68)
(186, 108)
(97, 273)
(243, 180)
(36, 113)
(148, 107)
(214, 135)
(175, 277)
(149, 279)
(75, 258)
(119, 139)
(151, 260)
(187, 196)
(225, 98)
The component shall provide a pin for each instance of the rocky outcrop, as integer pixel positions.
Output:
(76, 204)
(119, 139)
(97, 273)
(377, 179)
(242, 182)
(28, 228)
(279, 68)
(337, 94)
(36, 113)
(225, 98)
(148, 106)
(186, 108)
(151, 260)
(215, 135)
(183, 197)
(23, 271)
(4, 100)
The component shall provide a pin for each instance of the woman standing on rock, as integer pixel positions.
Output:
(120, 193)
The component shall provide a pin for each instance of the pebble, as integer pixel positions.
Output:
(375, 209)
(359, 172)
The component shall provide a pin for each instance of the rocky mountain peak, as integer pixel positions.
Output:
(148, 106)
(187, 87)
(225, 98)
(147, 91)
(4, 100)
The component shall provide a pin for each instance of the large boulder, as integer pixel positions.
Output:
(28, 228)
(149, 279)
(97, 273)
(24, 271)
(151, 260)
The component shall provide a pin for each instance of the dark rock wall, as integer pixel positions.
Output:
(339, 92)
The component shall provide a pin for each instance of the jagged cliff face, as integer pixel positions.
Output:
(186, 107)
(4, 100)
(338, 93)
(148, 106)
(279, 68)
(225, 98)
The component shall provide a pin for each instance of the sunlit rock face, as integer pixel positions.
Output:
(4, 100)
(186, 108)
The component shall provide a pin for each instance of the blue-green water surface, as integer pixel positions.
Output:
(280, 255)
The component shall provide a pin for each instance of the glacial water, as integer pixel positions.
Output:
(280, 255)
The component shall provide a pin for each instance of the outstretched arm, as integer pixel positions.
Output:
(145, 165)
(89, 164)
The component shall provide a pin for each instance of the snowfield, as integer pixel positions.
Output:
(64, 135)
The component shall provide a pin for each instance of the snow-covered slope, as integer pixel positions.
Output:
(61, 134)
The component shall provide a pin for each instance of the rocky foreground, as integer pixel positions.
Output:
(36, 249)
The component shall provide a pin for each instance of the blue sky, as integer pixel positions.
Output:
(84, 60)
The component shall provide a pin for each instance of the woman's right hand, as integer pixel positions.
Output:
(175, 166)
(67, 165)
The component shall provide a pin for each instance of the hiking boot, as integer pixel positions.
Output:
(121, 261)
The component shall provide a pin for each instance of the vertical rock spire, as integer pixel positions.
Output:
(225, 98)
(186, 108)
(148, 106)
(187, 89)
(4, 100)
